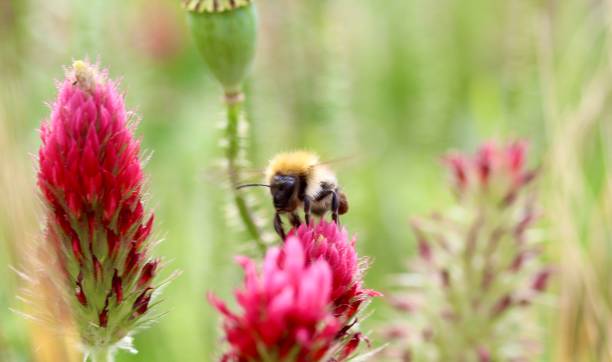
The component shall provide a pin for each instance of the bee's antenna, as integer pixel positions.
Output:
(251, 185)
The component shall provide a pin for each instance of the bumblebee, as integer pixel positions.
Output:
(298, 180)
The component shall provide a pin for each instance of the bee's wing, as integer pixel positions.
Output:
(342, 160)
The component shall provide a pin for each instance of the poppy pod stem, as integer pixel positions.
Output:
(234, 102)
(225, 33)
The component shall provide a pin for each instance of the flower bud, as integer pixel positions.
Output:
(225, 33)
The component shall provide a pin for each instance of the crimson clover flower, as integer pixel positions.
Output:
(91, 179)
(286, 311)
(329, 242)
(479, 265)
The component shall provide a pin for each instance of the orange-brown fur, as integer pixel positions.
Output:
(291, 163)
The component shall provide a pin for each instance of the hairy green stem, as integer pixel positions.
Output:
(234, 108)
(102, 355)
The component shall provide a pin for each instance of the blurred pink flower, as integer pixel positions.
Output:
(494, 168)
(478, 265)
(285, 313)
(161, 40)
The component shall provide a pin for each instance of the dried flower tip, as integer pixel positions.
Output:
(85, 76)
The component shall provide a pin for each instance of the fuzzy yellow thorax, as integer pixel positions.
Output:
(296, 163)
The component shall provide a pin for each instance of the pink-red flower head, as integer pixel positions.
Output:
(91, 178)
(89, 157)
(327, 241)
(285, 310)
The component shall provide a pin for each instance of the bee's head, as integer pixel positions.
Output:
(283, 188)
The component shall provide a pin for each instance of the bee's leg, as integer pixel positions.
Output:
(278, 226)
(307, 201)
(335, 202)
(335, 206)
(295, 219)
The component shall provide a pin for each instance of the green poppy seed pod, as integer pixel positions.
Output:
(225, 33)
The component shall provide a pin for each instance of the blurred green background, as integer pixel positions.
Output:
(389, 84)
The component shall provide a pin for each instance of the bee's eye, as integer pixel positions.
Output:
(283, 183)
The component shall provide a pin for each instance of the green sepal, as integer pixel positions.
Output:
(227, 41)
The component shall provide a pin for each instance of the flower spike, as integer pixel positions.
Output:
(91, 179)
(287, 310)
(477, 265)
